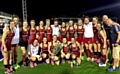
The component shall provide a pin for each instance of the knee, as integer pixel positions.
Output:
(73, 56)
(39, 59)
(33, 58)
(62, 56)
(44, 55)
(67, 56)
(56, 58)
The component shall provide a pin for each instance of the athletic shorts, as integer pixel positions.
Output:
(24, 44)
(88, 40)
(76, 53)
(116, 52)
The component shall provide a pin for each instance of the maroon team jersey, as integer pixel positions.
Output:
(95, 32)
(80, 33)
(66, 49)
(32, 35)
(71, 32)
(24, 36)
(63, 33)
(44, 49)
(49, 34)
(8, 41)
(41, 34)
(75, 50)
(100, 38)
(52, 47)
(9, 37)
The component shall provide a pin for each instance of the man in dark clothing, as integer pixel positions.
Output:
(114, 30)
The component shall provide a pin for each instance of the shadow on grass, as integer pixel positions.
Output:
(66, 71)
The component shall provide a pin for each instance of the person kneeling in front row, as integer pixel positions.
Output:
(34, 53)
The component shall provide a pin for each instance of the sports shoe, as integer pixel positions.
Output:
(44, 63)
(111, 70)
(69, 61)
(35, 64)
(16, 66)
(1, 59)
(25, 65)
(82, 57)
(88, 59)
(92, 59)
(7, 71)
(74, 62)
(31, 64)
(98, 61)
(102, 64)
(63, 61)
(117, 68)
(77, 65)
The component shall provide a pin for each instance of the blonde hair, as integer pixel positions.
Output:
(47, 20)
(32, 21)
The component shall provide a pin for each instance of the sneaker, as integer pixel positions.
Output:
(69, 61)
(1, 59)
(102, 65)
(16, 66)
(88, 59)
(117, 68)
(92, 59)
(77, 65)
(98, 61)
(95, 59)
(24, 64)
(35, 64)
(63, 61)
(74, 62)
(44, 63)
(31, 64)
(111, 70)
(7, 71)
(82, 58)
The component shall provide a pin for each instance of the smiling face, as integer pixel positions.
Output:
(45, 40)
(64, 40)
(35, 42)
(25, 24)
(12, 24)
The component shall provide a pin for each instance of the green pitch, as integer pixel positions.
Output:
(84, 68)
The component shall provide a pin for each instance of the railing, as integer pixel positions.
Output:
(5, 14)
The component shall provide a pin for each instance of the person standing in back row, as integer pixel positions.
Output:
(15, 40)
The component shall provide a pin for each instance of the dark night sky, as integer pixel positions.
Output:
(38, 9)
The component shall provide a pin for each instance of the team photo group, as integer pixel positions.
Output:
(61, 42)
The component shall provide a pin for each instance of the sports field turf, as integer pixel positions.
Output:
(84, 68)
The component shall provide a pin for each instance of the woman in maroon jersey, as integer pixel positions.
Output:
(96, 44)
(7, 37)
(48, 30)
(44, 50)
(71, 30)
(101, 35)
(75, 51)
(54, 58)
(65, 52)
(80, 36)
(63, 31)
(24, 41)
(41, 31)
(32, 31)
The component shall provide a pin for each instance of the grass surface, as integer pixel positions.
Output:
(84, 68)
